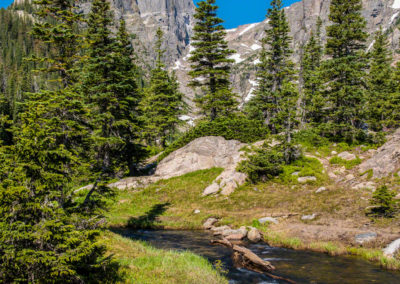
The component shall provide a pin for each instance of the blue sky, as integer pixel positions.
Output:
(240, 12)
(234, 12)
(5, 3)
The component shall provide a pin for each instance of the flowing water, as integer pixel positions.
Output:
(299, 266)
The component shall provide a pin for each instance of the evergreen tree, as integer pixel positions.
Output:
(46, 234)
(42, 234)
(162, 103)
(381, 87)
(276, 95)
(210, 63)
(345, 69)
(312, 100)
(57, 27)
(111, 91)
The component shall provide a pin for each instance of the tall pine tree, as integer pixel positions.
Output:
(44, 233)
(111, 91)
(381, 87)
(345, 70)
(162, 103)
(312, 99)
(210, 63)
(276, 95)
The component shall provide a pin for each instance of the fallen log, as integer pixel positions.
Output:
(245, 258)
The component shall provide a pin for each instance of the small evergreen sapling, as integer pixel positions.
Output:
(383, 203)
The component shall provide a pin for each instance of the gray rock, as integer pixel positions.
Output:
(212, 189)
(210, 223)
(321, 189)
(254, 235)
(392, 248)
(306, 179)
(364, 238)
(206, 153)
(347, 156)
(334, 153)
(332, 175)
(309, 217)
(295, 173)
(268, 220)
(386, 161)
(350, 177)
(197, 211)
(366, 185)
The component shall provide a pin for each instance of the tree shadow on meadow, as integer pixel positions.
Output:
(150, 219)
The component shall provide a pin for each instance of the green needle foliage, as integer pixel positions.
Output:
(383, 203)
(111, 92)
(345, 70)
(276, 96)
(312, 99)
(43, 234)
(381, 87)
(162, 103)
(211, 66)
(46, 234)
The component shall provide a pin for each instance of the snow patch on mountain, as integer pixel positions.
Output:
(396, 4)
(249, 27)
(237, 58)
(393, 17)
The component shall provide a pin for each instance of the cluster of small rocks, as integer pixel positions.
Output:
(226, 232)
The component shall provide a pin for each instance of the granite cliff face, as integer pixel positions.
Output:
(175, 17)
(144, 17)
(302, 17)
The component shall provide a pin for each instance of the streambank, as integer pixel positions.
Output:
(300, 266)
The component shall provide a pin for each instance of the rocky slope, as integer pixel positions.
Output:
(175, 17)
(144, 17)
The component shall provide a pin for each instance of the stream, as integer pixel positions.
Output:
(300, 266)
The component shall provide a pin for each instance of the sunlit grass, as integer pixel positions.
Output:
(141, 263)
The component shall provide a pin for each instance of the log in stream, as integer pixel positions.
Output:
(245, 258)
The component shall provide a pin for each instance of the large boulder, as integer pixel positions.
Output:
(200, 154)
(206, 153)
(386, 160)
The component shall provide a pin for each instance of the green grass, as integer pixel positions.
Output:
(171, 203)
(177, 198)
(304, 167)
(347, 164)
(141, 263)
(333, 248)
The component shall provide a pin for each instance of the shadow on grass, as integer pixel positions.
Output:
(149, 220)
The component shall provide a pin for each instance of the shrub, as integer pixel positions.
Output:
(267, 162)
(237, 128)
(383, 202)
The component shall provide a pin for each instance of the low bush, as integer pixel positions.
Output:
(383, 203)
(238, 128)
(268, 162)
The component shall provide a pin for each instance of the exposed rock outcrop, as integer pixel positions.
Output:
(386, 160)
(302, 17)
(206, 153)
